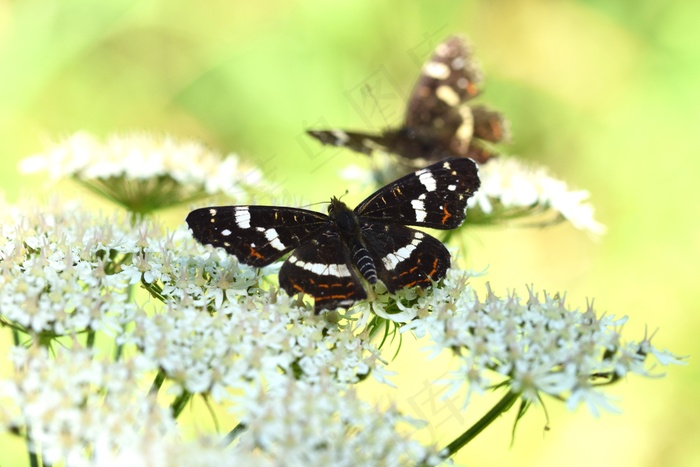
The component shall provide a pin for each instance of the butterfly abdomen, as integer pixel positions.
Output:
(348, 226)
(364, 263)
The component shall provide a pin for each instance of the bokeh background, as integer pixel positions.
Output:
(605, 93)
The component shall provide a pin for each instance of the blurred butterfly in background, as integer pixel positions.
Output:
(438, 122)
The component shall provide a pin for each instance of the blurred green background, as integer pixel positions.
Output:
(605, 93)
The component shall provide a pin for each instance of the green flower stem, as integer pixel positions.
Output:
(157, 383)
(179, 403)
(500, 408)
(90, 340)
(233, 434)
(118, 352)
(33, 456)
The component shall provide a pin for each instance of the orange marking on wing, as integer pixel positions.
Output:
(334, 297)
(410, 271)
(446, 216)
(255, 254)
(435, 264)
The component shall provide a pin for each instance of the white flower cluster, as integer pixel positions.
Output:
(219, 328)
(509, 185)
(60, 271)
(143, 171)
(264, 342)
(173, 451)
(297, 423)
(210, 328)
(65, 271)
(539, 345)
(294, 423)
(69, 401)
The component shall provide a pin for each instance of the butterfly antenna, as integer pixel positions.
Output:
(314, 204)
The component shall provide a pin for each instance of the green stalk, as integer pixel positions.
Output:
(90, 340)
(233, 434)
(179, 403)
(501, 407)
(33, 456)
(157, 383)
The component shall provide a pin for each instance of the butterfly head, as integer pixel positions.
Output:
(343, 217)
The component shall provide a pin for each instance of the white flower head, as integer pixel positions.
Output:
(62, 269)
(174, 451)
(69, 401)
(144, 172)
(538, 345)
(297, 423)
(511, 189)
(219, 325)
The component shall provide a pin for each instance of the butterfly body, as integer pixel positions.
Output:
(438, 120)
(332, 254)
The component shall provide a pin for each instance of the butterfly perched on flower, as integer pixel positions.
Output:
(437, 119)
(332, 254)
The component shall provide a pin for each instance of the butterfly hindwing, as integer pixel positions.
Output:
(489, 125)
(435, 196)
(322, 269)
(405, 257)
(256, 235)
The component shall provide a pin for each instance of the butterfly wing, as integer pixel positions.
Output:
(481, 125)
(435, 196)
(364, 143)
(322, 269)
(405, 257)
(449, 78)
(256, 235)
(407, 142)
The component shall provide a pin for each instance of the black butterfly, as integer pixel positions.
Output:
(333, 253)
(437, 119)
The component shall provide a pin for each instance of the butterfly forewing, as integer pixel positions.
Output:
(435, 196)
(357, 141)
(449, 78)
(322, 268)
(256, 235)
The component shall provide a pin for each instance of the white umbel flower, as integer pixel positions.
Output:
(301, 424)
(511, 189)
(62, 272)
(538, 345)
(144, 172)
(69, 401)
